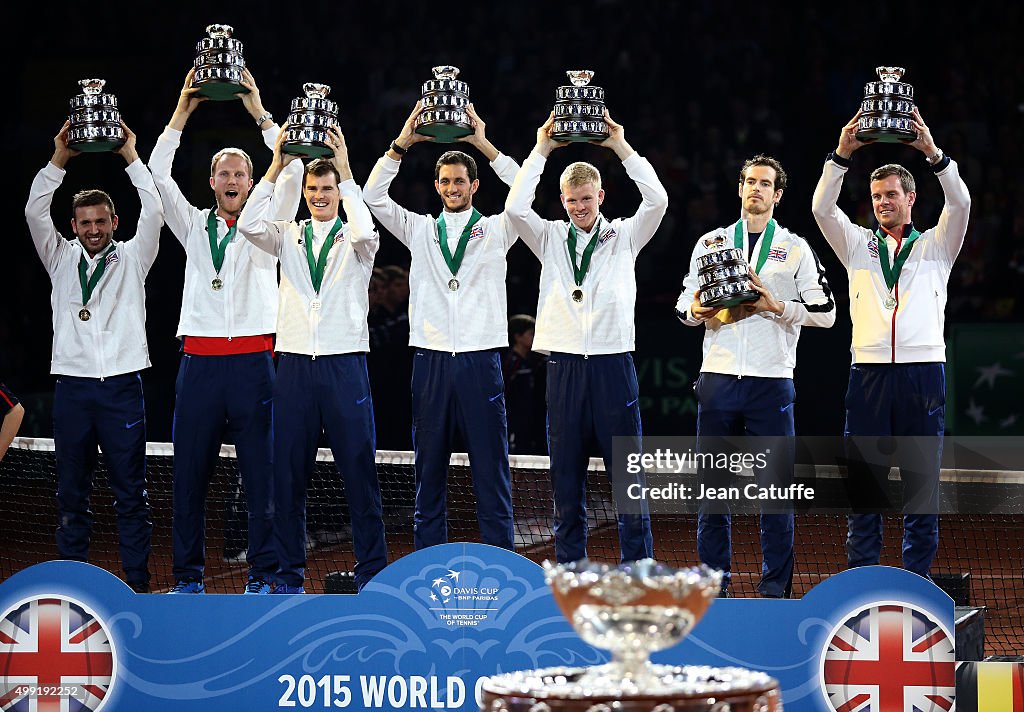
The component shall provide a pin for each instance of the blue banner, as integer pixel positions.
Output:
(424, 633)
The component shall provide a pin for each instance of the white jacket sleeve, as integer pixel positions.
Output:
(833, 222)
(255, 226)
(506, 168)
(816, 307)
(391, 215)
(178, 212)
(365, 239)
(146, 242)
(50, 244)
(952, 225)
(519, 204)
(653, 204)
(288, 187)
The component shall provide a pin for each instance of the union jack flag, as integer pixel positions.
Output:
(606, 235)
(778, 254)
(55, 656)
(889, 658)
(111, 259)
(477, 231)
(873, 247)
(340, 237)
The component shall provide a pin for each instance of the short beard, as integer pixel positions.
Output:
(759, 208)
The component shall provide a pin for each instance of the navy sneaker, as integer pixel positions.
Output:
(257, 586)
(183, 586)
(285, 588)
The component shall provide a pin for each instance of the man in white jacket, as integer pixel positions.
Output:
(99, 347)
(457, 316)
(585, 322)
(746, 381)
(228, 316)
(898, 279)
(322, 340)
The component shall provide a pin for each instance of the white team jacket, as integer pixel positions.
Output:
(339, 325)
(113, 340)
(762, 344)
(913, 331)
(247, 303)
(603, 323)
(475, 316)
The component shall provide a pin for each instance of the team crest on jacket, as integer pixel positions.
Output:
(608, 234)
(873, 247)
(55, 654)
(888, 656)
(778, 254)
(111, 259)
(339, 237)
(476, 232)
(713, 243)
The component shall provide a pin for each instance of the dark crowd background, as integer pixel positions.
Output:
(698, 86)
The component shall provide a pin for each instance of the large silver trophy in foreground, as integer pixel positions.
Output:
(632, 610)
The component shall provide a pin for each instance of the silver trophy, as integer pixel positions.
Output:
(310, 117)
(886, 109)
(445, 99)
(579, 109)
(723, 277)
(95, 120)
(632, 610)
(219, 64)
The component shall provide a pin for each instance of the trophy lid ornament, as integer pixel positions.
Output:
(580, 77)
(890, 74)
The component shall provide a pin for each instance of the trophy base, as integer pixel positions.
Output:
(688, 688)
(881, 136)
(732, 300)
(220, 91)
(99, 145)
(310, 150)
(445, 132)
(578, 136)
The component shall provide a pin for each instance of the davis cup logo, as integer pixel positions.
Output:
(889, 657)
(55, 656)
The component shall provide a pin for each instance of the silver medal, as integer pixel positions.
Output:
(85, 315)
(217, 284)
(577, 295)
(889, 303)
(453, 284)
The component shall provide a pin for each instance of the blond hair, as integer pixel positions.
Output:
(579, 173)
(230, 152)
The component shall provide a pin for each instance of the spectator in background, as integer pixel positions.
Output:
(524, 371)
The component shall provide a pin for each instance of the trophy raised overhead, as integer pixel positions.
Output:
(445, 99)
(632, 610)
(95, 119)
(886, 109)
(579, 109)
(310, 117)
(219, 64)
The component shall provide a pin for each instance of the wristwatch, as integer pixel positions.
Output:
(265, 116)
(934, 158)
